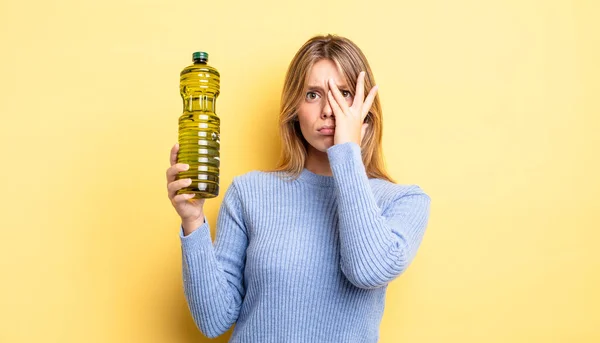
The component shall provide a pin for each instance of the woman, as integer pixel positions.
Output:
(304, 253)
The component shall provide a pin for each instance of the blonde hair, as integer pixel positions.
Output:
(350, 61)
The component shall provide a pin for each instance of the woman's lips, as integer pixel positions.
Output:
(327, 131)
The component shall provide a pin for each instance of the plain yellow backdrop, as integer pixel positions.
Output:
(490, 106)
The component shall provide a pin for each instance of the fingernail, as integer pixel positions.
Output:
(186, 167)
(189, 180)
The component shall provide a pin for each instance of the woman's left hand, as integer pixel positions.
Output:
(349, 121)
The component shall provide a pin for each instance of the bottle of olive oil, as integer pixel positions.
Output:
(199, 127)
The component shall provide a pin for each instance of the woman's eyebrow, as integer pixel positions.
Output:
(316, 87)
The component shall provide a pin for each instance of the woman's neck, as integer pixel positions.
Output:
(317, 162)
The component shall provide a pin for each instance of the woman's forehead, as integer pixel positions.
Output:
(322, 71)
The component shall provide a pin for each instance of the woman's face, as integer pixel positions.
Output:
(317, 122)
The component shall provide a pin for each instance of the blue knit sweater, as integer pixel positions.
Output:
(305, 260)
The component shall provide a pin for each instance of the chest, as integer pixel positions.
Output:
(294, 238)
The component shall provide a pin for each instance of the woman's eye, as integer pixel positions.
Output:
(311, 95)
(346, 94)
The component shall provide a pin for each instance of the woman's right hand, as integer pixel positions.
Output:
(190, 210)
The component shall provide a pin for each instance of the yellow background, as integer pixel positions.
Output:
(490, 106)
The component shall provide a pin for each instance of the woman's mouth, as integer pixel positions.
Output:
(327, 130)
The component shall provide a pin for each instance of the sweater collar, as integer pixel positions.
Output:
(321, 180)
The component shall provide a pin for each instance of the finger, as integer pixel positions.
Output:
(176, 169)
(337, 111)
(174, 186)
(369, 101)
(338, 96)
(178, 199)
(360, 91)
(174, 151)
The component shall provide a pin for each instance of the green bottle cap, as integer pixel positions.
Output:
(200, 55)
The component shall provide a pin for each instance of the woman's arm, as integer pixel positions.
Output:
(376, 245)
(213, 275)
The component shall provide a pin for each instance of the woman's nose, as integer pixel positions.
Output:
(326, 112)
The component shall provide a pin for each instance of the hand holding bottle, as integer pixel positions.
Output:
(189, 209)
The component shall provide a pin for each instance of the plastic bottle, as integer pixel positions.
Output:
(199, 127)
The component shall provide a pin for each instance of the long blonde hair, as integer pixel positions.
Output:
(350, 61)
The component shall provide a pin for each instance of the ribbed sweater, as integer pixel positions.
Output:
(304, 260)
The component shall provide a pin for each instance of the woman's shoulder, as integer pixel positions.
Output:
(391, 195)
(389, 191)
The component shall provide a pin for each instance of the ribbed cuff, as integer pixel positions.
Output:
(349, 170)
(344, 153)
(199, 237)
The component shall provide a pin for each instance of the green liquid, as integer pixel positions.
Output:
(199, 129)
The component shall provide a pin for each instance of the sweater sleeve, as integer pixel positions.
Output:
(376, 245)
(213, 275)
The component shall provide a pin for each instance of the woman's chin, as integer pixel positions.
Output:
(323, 144)
(328, 144)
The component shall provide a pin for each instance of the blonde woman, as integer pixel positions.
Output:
(304, 253)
